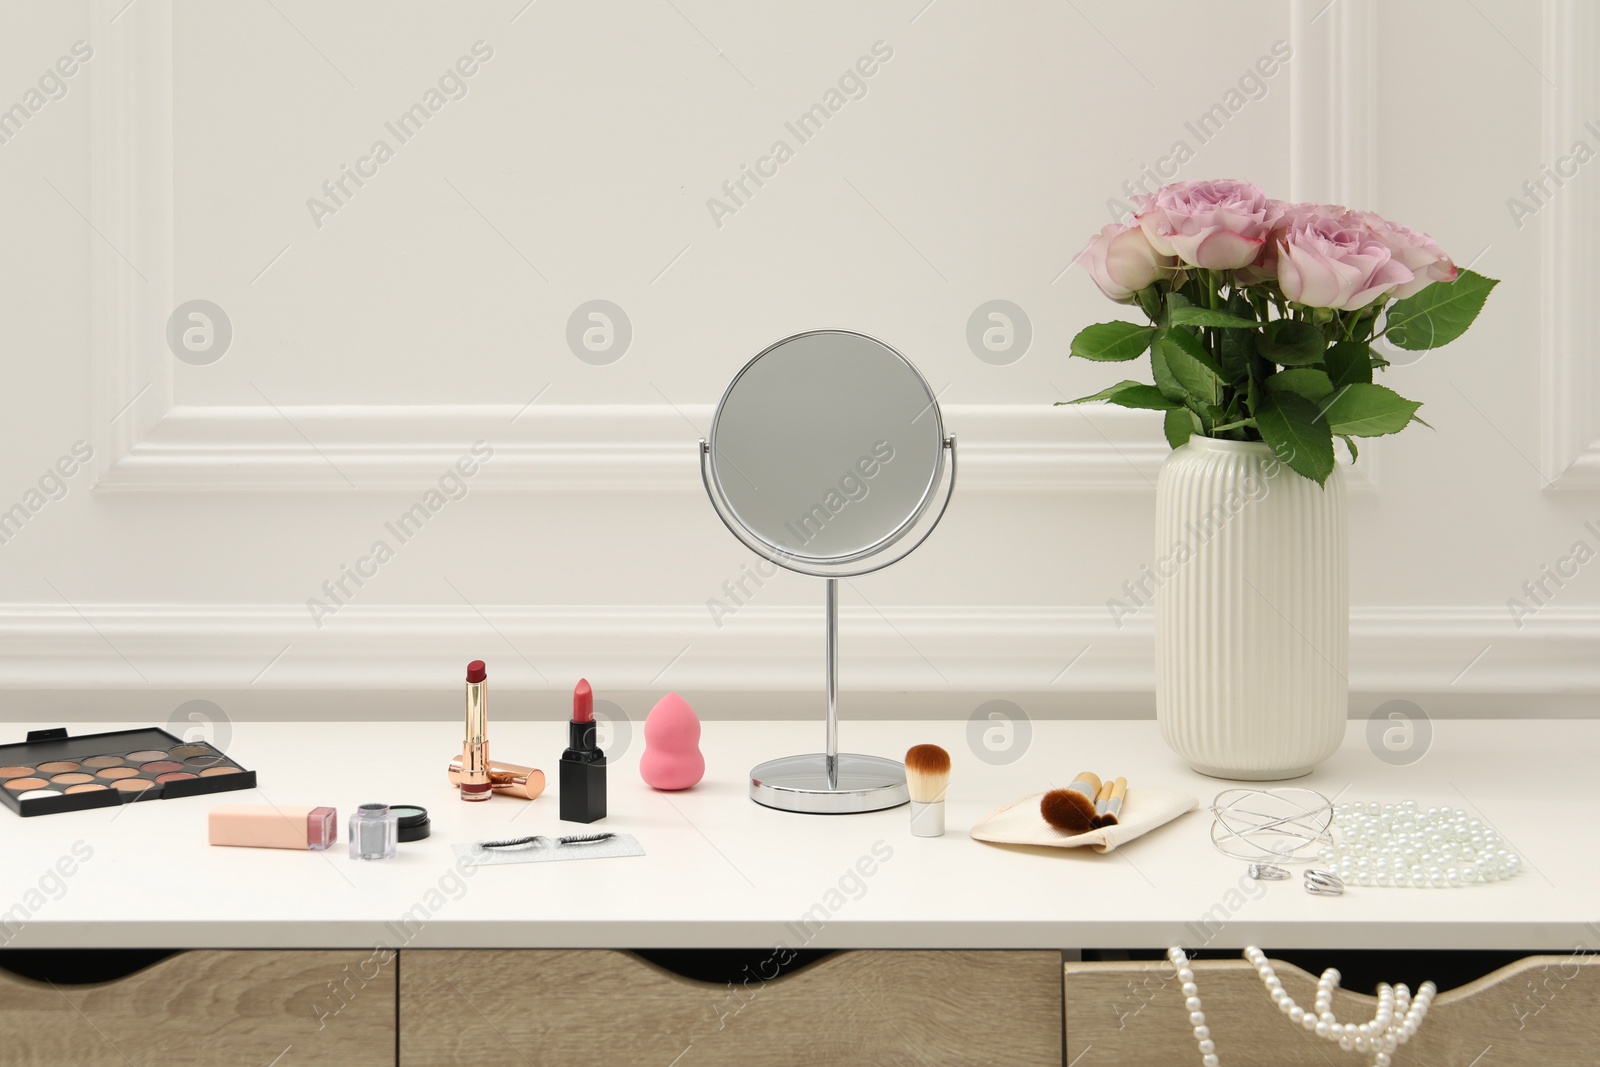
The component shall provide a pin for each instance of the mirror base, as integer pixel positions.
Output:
(800, 783)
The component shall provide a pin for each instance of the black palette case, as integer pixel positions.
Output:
(105, 759)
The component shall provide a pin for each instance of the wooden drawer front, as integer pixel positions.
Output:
(1539, 1011)
(607, 1008)
(203, 1008)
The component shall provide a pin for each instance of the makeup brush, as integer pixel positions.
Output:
(1072, 809)
(1102, 795)
(1111, 812)
(927, 776)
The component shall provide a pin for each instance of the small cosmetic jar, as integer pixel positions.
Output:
(374, 833)
(414, 825)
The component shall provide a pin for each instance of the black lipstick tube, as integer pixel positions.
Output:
(583, 775)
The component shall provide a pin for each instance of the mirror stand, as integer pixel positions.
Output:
(830, 782)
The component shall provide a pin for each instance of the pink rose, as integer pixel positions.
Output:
(1330, 260)
(1218, 225)
(1265, 266)
(1121, 261)
(1419, 252)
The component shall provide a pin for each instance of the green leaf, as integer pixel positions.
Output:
(1180, 426)
(1163, 374)
(1191, 364)
(1348, 363)
(1301, 381)
(1439, 314)
(1150, 301)
(1192, 346)
(1112, 342)
(1296, 433)
(1194, 316)
(1350, 443)
(1235, 347)
(1129, 395)
(1368, 411)
(1291, 343)
(1175, 300)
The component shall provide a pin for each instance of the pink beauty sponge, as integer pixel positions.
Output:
(672, 758)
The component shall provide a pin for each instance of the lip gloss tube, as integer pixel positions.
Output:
(264, 826)
(475, 783)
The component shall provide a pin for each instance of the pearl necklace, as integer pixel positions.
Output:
(1395, 1023)
(1403, 845)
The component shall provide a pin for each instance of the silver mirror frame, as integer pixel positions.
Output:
(825, 566)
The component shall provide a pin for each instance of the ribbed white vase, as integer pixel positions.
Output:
(1252, 612)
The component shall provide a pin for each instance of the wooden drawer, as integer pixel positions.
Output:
(1538, 1011)
(600, 1007)
(204, 1008)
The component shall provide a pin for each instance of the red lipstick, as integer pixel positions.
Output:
(583, 764)
(474, 783)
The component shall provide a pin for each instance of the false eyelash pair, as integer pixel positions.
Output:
(541, 841)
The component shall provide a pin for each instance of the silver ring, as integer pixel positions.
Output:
(1324, 883)
(1266, 872)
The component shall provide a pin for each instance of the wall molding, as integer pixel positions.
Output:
(1332, 102)
(593, 447)
(145, 441)
(983, 649)
(131, 210)
(1570, 407)
(583, 446)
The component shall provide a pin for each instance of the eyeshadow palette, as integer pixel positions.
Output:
(51, 772)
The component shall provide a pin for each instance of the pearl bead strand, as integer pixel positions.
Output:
(1394, 1023)
(1405, 845)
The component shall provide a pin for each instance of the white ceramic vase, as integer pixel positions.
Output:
(1252, 612)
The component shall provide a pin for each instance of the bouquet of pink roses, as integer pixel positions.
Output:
(1263, 315)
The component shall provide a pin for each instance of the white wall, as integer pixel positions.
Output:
(373, 345)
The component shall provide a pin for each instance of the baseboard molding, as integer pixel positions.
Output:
(950, 657)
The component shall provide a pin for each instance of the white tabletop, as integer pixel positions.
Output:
(721, 871)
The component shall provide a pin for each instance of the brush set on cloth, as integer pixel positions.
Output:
(1092, 811)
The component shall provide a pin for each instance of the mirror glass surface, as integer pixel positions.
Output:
(827, 446)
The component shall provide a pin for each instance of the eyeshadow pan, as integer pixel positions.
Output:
(160, 767)
(34, 794)
(17, 785)
(146, 755)
(57, 766)
(118, 772)
(184, 751)
(15, 772)
(72, 778)
(134, 785)
(86, 789)
(214, 771)
(207, 759)
(102, 761)
(175, 776)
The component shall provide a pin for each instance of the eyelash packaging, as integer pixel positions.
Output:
(51, 772)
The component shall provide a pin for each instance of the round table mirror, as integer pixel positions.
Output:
(827, 455)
